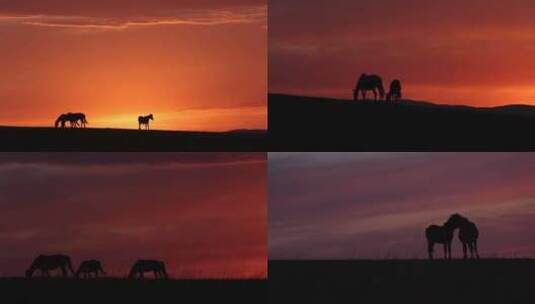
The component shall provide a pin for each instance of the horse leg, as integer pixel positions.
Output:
(471, 246)
(374, 95)
(448, 244)
(364, 92)
(464, 250)
(430, 249)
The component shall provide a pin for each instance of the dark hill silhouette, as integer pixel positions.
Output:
(90, 139)
(401, 281)
(63, 291)
(298, 123)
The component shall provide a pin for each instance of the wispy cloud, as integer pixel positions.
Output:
(248, 15)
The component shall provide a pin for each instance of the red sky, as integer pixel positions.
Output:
(196, 65)
(475, 52)
(377, 205)
(204, 214)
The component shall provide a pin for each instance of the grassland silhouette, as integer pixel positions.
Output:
(467, 279)
(52, 279)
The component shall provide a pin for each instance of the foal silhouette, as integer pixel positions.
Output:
(46, 263)
(144, 120)
(394, 93)
(142, 266)
(367, 83)
(89, 267)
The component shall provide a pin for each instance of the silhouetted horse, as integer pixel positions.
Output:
(144, 120)
(142, 266)
(440, 235)
(468, 234)
(367, 83)
(72, 118)
(395, 91)
(46, 263)
(90, 267)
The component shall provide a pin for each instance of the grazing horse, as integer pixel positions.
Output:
(78, 117)
(142, 266)
(395, 91)
(440, 235)
(46, 263)
(90, 267)
(72, 118)
(468, 234)
(144, 120)
(367, 83)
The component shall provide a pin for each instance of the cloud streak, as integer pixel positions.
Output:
(191, 18)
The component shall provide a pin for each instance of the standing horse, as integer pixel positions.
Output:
(367, 83)
(441, 235)
(395, 91)
(46, 263)
(468, 234)
(144, 120)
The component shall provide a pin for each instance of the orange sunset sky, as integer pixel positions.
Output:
(196, 65)
(477, 52)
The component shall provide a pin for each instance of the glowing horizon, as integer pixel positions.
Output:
(195, 66)
(478, 58)
(204, 214)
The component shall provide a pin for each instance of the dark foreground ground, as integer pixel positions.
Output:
(58, 291)
(321, 124)
(50, 139)
(402, 281)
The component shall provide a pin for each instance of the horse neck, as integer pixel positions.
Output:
(450, 227)
(381, 88)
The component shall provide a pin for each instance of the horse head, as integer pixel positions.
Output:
(150, 117)
(455, 220)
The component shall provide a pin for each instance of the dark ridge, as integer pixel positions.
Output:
(401, 281)
(103, 140)
(58, 291)
(298, 123)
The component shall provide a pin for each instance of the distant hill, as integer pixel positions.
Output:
(51, 139)
(298, 123)
(401, 281)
